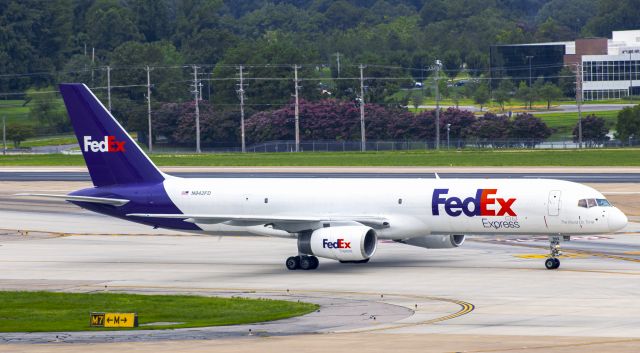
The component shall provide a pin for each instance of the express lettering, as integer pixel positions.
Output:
(483, 204)
(109, 144)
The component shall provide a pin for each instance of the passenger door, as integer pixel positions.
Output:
(553, 205)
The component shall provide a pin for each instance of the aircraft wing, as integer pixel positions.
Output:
(282, 221)
(100, 200)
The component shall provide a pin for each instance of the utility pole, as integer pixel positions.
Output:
(209, 89)
(148, 107)
(297, 107)
(363, 135)
(93, 62)
(195, 92)
(4, 134)
(109, 85)
(338, 62)
(437, 104)
(241, 95)
(579, 101)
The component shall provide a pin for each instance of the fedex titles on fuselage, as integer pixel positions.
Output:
(484, 204)
(109, 144)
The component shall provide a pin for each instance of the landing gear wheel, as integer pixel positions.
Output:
(550, 264)
(315, 261)
(553, 262)
(293, 263)
(309, 262)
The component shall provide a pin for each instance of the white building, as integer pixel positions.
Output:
(615, 74)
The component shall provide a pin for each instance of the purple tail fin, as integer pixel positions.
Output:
(111, 155)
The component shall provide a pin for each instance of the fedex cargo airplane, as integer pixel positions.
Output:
(332, 218)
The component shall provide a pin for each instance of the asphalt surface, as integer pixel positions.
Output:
(575, 177)
(491, 294)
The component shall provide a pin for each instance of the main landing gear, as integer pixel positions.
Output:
(553, 262)
(302, 262)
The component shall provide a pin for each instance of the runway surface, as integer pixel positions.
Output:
(576, 177)
(491, 294)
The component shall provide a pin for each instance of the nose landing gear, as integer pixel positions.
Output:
(553, 262)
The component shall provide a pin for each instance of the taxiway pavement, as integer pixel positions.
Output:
(491, 294)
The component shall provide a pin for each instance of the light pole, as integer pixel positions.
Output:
(630, 76)
(530, 58)
(4, 135)
(448, 130)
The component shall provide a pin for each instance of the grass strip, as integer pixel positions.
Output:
(47, 311)
(467, 157)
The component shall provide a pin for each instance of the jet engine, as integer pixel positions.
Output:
(435, 241)
(342, 243)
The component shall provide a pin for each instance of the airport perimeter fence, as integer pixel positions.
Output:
(400, 145)
(355, 146)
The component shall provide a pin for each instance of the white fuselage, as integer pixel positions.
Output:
(509, 206)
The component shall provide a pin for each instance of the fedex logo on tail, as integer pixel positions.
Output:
(109, 144)
(483, 204)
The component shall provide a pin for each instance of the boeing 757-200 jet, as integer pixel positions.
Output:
(335, 218)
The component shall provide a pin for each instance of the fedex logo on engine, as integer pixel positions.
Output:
(340, 244)
(483, 204)
(109, 144)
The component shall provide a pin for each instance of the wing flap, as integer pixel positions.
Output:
(246, 220)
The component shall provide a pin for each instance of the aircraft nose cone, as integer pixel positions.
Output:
(617, 220)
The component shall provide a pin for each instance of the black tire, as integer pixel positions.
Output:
(315, 262)
(550, 263)
(306, 262)
(557, 263)
(293, 263)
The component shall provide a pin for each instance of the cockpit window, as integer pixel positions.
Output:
(588, 203)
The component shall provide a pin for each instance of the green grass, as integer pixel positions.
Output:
(49, 141)
(563, 123)
(467, 157)
(46, 311)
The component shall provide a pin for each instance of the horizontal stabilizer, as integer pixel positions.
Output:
(100, 200)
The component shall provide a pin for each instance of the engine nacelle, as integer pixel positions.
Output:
(436, 241)
(342, 243)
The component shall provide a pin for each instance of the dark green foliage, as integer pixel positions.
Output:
(46, 41)
(628, 125)
(594, 130)
(18, 133)
(527, 126)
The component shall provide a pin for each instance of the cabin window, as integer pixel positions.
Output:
(266, 200)
(582, 203)
(399, 201)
